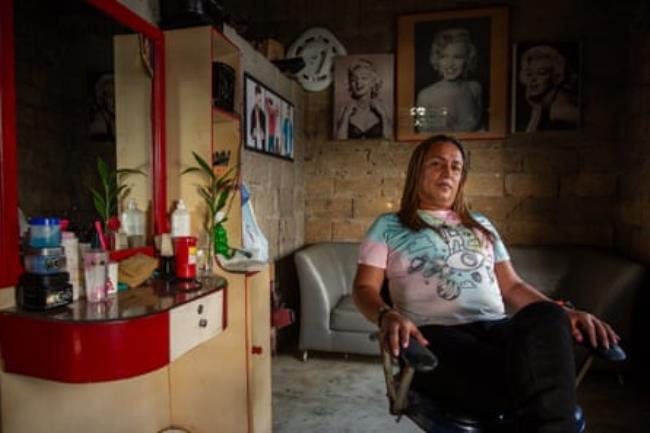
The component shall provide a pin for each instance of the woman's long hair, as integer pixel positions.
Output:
(408, 212)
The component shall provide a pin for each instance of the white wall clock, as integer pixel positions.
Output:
(317, 47)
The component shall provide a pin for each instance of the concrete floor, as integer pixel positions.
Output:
(331, 394)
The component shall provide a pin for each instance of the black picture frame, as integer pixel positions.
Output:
(546, 86)
(268, 120)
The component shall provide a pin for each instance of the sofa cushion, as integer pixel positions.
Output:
(346, 317)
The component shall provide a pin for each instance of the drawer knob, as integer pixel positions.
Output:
(200, 309)
(203, 323)
(256, 350)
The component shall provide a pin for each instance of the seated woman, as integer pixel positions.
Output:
(450, 277)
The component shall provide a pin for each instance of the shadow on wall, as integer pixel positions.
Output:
(640, 338)
(288, 291)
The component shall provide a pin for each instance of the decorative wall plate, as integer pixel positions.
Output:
(317, 47)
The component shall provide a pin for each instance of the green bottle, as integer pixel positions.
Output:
(221, 241)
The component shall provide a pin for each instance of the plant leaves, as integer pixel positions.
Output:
(223, 197)
(191, 170)
(100, 207)
(204, 166)
(226, 174)
(127, 171)
(96, 194)
(102, 168)
(207, 197)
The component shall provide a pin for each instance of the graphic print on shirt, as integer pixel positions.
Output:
(454, 267)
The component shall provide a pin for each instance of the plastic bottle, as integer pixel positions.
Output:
(71, 247)
(133, 219)
(180, 220)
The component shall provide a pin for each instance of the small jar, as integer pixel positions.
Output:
(44, 232)
(45, 261)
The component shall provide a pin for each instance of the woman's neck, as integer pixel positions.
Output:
(363, 100)
(434, 207)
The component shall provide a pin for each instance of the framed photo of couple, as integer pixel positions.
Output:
(268, 120)
(452, 74)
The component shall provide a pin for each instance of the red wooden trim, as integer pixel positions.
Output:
(119, 255)
(126, 16)
(159, 151)
(132, 20)
(9, 260)
(84, 352)
(248, 337)
(225, 308)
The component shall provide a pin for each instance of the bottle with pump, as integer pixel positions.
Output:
(180, 220)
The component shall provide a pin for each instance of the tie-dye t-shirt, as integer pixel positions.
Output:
(443, 279)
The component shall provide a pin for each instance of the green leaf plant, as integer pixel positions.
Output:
(112, 191)
(215, 191)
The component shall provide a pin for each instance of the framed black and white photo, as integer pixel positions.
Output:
(268, 120)
(363, 96)
(452, 73)
(546, 86)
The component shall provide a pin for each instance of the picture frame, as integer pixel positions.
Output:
(546, 86)
(452, 74)
(268, 120)
(363, 97)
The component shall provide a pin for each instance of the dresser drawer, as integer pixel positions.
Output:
(195, 322)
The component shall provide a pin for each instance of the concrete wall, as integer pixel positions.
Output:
(545, 187)
(147, 9)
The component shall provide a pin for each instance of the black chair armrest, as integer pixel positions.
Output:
(418, 356)
(615, 353)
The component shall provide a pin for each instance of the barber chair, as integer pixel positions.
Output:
(430, 416)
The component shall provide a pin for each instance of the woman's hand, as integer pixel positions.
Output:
(396, 330)
(597, 332)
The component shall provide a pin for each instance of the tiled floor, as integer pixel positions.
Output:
(330, 394)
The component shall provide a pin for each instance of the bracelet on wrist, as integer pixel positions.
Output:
(565, 304)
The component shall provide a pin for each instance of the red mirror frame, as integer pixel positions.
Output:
(9, 254)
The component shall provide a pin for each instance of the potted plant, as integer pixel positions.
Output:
(112, 191)
(215, 193)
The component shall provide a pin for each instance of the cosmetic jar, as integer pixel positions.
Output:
(45, 261)
(44, 232)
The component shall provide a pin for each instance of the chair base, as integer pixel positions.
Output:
(431, 418)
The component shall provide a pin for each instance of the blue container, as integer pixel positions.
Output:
(45, 261)
(44, 232)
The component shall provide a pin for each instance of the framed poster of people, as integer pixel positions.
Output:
(546, 86)
(452, 74)
(268, 120)
(363, 96)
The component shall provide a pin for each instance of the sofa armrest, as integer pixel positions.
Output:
(325, 273)
(606, 286)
